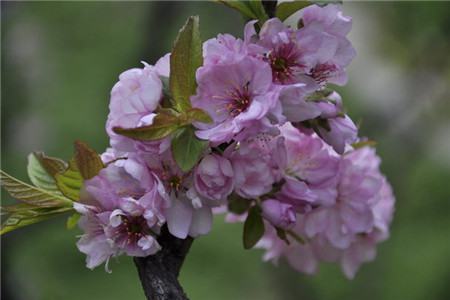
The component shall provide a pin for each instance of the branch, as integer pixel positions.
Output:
(159, 272)
(270, 6)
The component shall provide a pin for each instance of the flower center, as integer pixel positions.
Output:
(284, 63)
(240, 100)
(135, 228)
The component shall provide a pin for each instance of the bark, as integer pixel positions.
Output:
(159, 273)
(270, 6)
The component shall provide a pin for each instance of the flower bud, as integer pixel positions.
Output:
(279, 214)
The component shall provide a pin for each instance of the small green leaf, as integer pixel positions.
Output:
(70, 182)
(253, 228)
(326, 2)
(237, 204)
(241, 7)
(88, 161)
(163, 125)
(187, 148)
(361, 144)
(250, 10)
(39, 175)
(321, 95)
(185, 59)
(32, 195)
(51, 164)
(20, 215)
(72, 220)
(196, 114)
(286, 9)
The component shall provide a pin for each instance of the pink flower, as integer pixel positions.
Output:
(352, 213)
(280, 214)
(306, 159)
(133, 100)
(226, 48)
(122, 211)
(213, 178)
(341, 132)
(187, 213)
(253, 173)
(330, 66)
(235, 95)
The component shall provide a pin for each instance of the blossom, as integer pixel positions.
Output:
(307, 165)
(352, 213)
(122, 211)
(134, 98)
(235, 95)
(213, 178)
(280, 214)
(253, 173)
(330, 66)
(186, 213)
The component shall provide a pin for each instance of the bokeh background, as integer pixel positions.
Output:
(59, 61)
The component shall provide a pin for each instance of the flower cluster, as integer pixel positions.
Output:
(279, 145)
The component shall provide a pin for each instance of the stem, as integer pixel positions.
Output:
(159, 272)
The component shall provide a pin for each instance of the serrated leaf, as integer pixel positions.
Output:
(196, 114)
(237, 204)
(88, 161)
(70, 182)
(39, 175)
(163, 125)
(20, 215)
(72, 221)
(286, 9)
(253, 228)
(52, 165)
(32, 195)
(185, 59)
(187, 148)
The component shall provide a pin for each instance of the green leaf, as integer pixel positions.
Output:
(241, 7)
(253, 228)
(361, 144)
(286, 9)
(88, 161)
(252, 10)
(32, 195)
(237, 204)
(72, 220)
(187, 148)
(163, 125)
(196, 114)
(326, 2)
(39, 175)
(51, 164)
(70, 182)
(185, 59)
(20, 215)
(321, 95)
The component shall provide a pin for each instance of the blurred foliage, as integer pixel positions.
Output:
(60, 59)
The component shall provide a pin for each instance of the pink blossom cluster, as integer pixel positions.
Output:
(279, 140)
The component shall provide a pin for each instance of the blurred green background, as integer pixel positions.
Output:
(59, 61)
